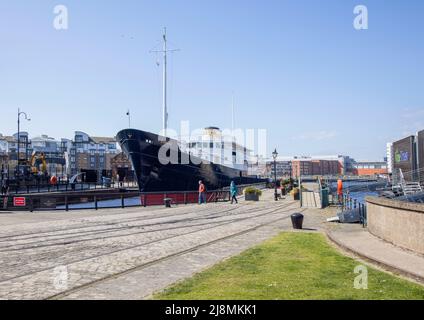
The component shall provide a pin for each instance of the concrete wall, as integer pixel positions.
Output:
(401, 223)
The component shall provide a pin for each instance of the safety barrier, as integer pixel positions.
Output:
(102, 200)
(349, 203)
(65, 187)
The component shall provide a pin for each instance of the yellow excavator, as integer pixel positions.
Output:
(36, 158)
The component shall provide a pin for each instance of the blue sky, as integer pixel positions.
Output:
(298, 69)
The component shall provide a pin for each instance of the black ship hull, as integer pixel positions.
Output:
(142, 148)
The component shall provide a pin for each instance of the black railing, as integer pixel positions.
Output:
(349, 204)
(66, 187)
(100, 199)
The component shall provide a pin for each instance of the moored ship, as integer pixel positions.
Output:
(196, 163)
(211, 158)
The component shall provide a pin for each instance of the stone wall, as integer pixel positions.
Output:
(401, 223)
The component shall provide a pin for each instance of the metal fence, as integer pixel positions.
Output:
(349, 204)
(342, 177)
(98, 199)
(66, 187)
(349, 201)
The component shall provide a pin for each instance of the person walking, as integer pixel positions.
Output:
(340, 190)
(234, 192)
(202, 192)
(3, 188)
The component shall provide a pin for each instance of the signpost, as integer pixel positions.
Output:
(19, 202)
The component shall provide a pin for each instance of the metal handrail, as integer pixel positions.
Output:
(62, 186)
(98, 197)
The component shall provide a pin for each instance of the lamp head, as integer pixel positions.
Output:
(275, 154)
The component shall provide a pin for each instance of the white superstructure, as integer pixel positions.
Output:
(213, 146)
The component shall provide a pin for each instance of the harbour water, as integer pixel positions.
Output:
(115, 203)
(359, 190)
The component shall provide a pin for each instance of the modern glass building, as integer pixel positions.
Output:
(408, 157)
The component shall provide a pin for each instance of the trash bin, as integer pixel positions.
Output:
(325, 197)
(167, 202)
(297, 220)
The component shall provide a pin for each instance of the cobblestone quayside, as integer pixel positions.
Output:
(126, 253)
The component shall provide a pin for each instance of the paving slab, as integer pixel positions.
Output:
(130, 253)
(359, 241)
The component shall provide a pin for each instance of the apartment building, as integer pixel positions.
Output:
(89, 155)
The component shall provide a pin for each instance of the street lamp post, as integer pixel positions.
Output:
(275, 155)
(19, 132)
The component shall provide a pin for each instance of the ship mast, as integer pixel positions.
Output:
(165, 51)
(232, 114)
(165, 83)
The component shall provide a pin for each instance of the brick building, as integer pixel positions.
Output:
(370, 168)
(313, 167)
(91, 156)
(122, 168)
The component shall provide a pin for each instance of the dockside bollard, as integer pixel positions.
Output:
(66, 203)
(167, 202)
(297, 221)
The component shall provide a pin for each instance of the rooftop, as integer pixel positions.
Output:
(103, 140)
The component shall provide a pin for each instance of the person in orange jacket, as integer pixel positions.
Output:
(340, 190)
(202, 192)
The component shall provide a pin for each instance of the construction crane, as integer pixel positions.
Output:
(35, 166)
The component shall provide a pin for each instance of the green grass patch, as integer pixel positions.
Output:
(292, 266)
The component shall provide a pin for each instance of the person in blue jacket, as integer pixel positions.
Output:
(233, 191)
